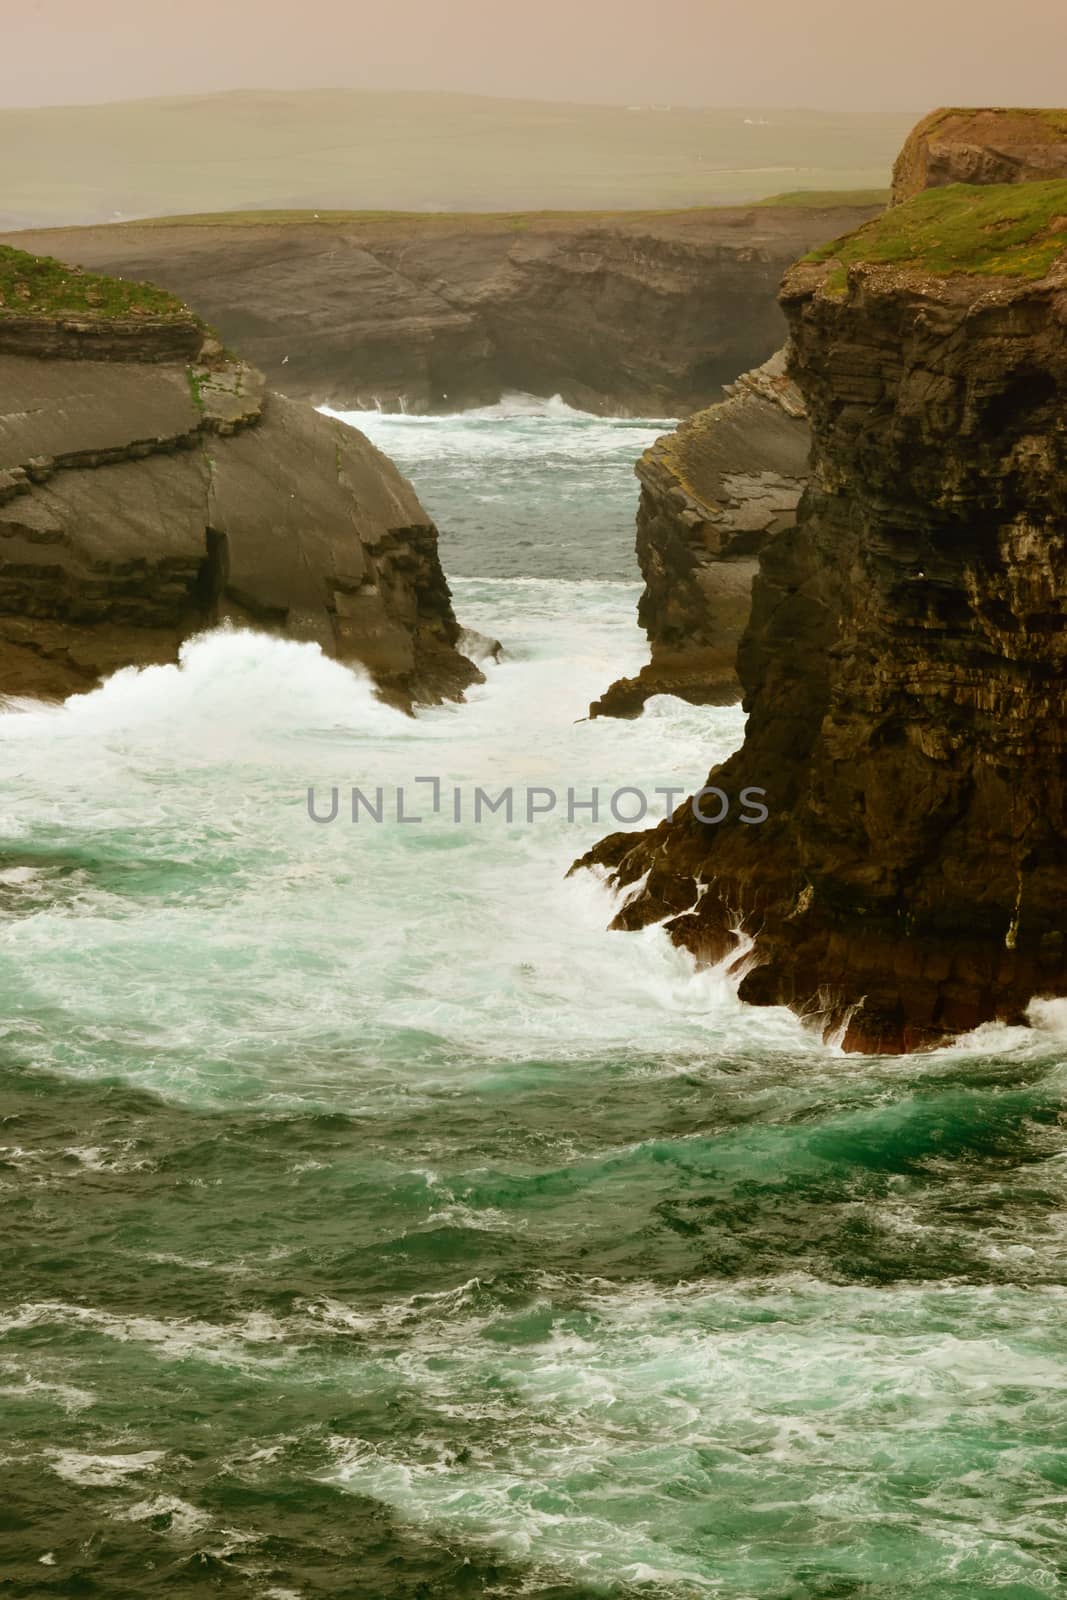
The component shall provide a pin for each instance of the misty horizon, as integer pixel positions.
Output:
(590, 102)
(692, 54)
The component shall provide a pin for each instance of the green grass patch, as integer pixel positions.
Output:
(824, 199)
(196, 389)
(407, 221)
(1003, 230)
(1051, 120)
(430, 222)
(40, 286)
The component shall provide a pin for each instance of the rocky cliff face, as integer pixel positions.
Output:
(647, 314)
(904, 666)
(981, 146)
(151, 487)
(712, 494)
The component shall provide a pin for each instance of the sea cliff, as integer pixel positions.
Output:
(903, 669)
(151, 487)
(638, 313)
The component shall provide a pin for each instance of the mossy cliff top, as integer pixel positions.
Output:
(1043, 124)
(476, 222)
(826, 199)
(40, 286)
(1004, 230)
(989, 145)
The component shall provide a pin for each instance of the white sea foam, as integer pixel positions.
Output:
(244, 1342)
(1050, 1016)
(458, 434)
(792, 1396)
(108, 1158)
(191, 931)
(470, 936)
(99, 1471)
(183, 1521)
(69, 1396)
(468, 939)
(200, 936)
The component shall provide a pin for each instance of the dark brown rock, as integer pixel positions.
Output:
(904, 676)
(712, 494)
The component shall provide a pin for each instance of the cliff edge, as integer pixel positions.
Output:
(641, 313)
(904, 665)
(150, 487)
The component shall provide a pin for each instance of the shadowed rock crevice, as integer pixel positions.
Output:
(213, 576)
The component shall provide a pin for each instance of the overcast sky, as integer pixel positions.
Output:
(833, 54)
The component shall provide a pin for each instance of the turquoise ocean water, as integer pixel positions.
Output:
(378, 1225)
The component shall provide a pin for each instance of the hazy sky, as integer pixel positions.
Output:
(837, 54)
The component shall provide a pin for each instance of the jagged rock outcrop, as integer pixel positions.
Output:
(712, 493)
(643, 313)
(145, 496)
(905, 662)
(984, 146)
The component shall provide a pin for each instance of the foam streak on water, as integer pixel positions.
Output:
(382, 1225)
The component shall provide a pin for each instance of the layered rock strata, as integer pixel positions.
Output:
(641, 313)
(984, 146)
(145, 496)
(712, 493)
(905, 664)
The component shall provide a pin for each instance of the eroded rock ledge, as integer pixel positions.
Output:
(712, 493)
(144, 499)
(904, 667)
(643, 313)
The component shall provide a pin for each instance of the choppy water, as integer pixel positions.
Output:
(378, 1225)
(527, 488)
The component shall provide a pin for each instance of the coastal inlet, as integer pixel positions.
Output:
(379, 1225)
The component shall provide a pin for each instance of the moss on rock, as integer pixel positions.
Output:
(1003, 230)
(40, 286)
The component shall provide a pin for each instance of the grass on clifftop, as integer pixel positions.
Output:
(491, 221)
(1003, 230)
(1049, 121)
(428, 221)
(826, 199)
(39, 286)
